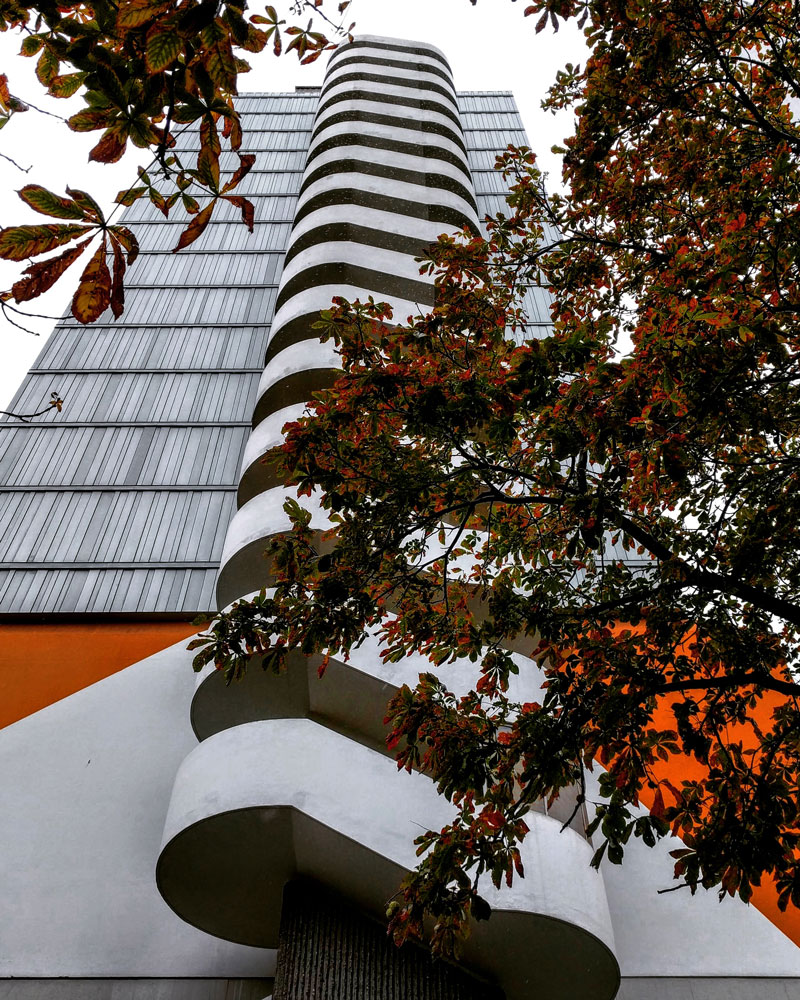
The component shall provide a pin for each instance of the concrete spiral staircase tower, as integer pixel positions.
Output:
(291, 779)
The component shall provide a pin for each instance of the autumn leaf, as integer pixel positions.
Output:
(89, 120)
(126, 239)
(128, 197)
(66, 86)
(111, 146)
(163, 47)
(47, 67)
(44, 201)
(117, 300)
(246, 208)
(134, 13)
(42, 275)
(221, 67)
(31, 44)
(246, 161)
(89, 206)
(208, 167)
(21, 242)
(93, 294)
(195, 227)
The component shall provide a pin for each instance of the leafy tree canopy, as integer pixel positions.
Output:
(618, 497)
(146, 71)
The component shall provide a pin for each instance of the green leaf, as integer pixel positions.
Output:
(66, 86)
(163, 48)
(88, 121)
(21, 242)
(128, 197)
(44, 201)
(31, 45)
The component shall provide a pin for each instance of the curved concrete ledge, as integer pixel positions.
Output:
(382, 43)
(404, 116)
(293, 374)
(419, 85)
(374, 47)
(387, 62)
(372, 67)
(416, 143)
(255, 475)
(310, 303)
(391, 97)
(244, 566)
(402, 190)
(351, 697)
(259, 804)
(424, 231)
(405, 160)
(390, 272)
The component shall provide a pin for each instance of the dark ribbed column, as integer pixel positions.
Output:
(329, 951)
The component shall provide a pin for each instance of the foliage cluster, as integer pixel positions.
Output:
(146, 70)
(616, 497)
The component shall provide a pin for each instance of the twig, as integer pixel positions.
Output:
(55, 401)
(25, 170)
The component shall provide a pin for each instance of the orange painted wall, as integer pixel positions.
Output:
(683, 768)
(40, 664)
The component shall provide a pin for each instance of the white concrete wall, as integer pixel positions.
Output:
(84, 787)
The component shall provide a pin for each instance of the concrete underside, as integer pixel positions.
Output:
(644, 988)
(135, 989)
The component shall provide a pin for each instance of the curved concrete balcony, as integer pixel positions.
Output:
(341, 135)
(244, 566)
(325, 261)
(286, 374)
(255, 475)
(257, 805)
(374, 104)
(351, 697)
(299, 370)
(421, 231)
(401, 161)
(395, 48)
(406, 194)
(409, 58)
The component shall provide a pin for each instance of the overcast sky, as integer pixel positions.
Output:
(490, 46)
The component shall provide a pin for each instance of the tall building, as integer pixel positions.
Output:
(151, 822)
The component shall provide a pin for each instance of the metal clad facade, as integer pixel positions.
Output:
(120, 504)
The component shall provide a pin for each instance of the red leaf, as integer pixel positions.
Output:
(45, 273)
(195, 227)
(117, 288)
(111, 146)
(657, 808)
(246, 208)
(246, 161)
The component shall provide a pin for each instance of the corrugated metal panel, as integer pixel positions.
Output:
(161, 399)
(169, 347)
(111, 526)
(120, 456)
(134, 396)
(107, 591)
